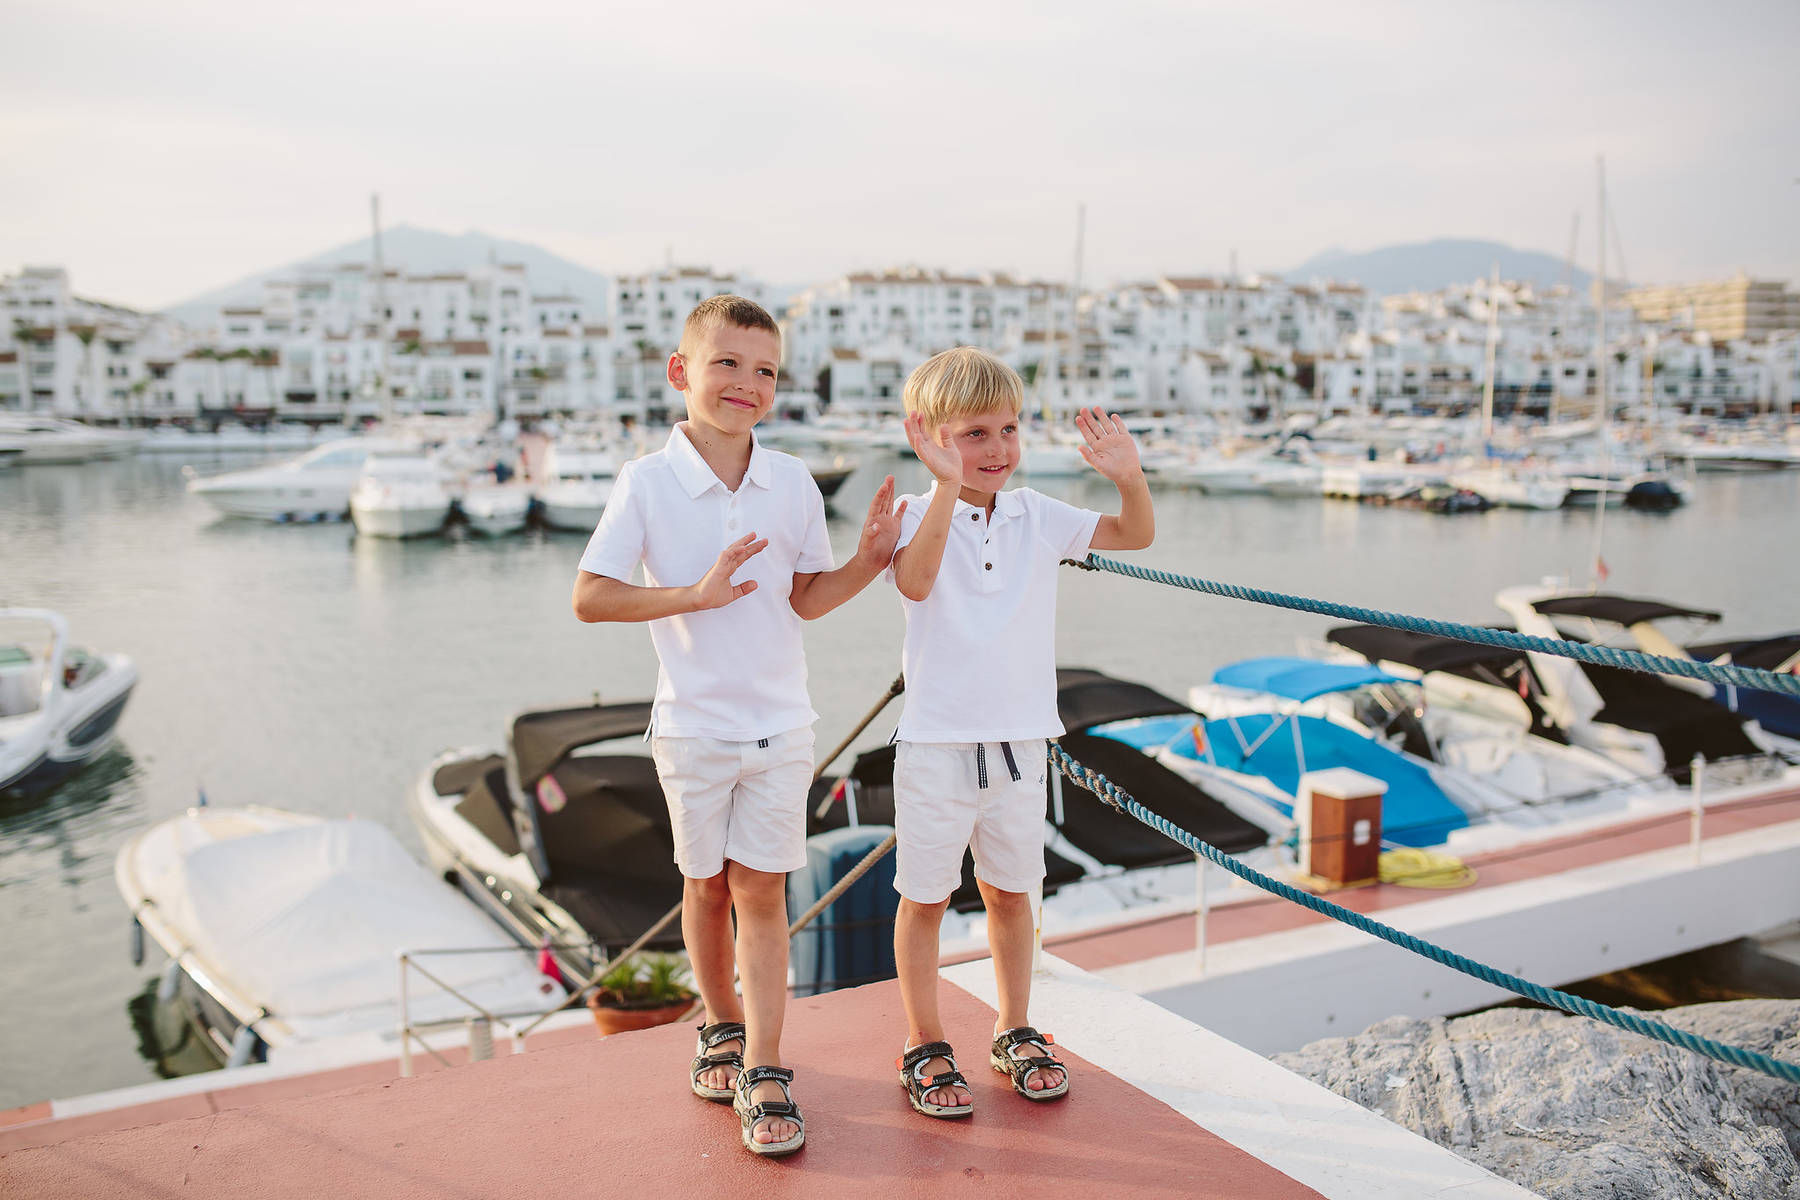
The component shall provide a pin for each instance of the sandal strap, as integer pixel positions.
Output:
(924, 1050)
(751, 1076)
(943, 1079)
(1006, 1039)
(721, 1031)
(724, 1058)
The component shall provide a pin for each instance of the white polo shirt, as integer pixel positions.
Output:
(980, 651)
(736, 672)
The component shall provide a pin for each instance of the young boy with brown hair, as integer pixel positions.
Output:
(732, 539)
(976, 566)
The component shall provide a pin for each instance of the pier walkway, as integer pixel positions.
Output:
(1159, 1107)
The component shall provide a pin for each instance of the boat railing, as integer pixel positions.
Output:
(478, 1023)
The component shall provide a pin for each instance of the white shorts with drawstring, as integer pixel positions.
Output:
(743, 801)
(952, 796)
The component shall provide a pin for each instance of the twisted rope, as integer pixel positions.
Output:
(1606, 656)
(1112, 795)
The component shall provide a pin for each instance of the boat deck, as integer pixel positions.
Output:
(1158, 1107)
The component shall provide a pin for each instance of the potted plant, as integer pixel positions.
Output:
(642, 991)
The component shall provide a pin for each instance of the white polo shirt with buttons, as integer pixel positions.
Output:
(980, 650)
(736, 672)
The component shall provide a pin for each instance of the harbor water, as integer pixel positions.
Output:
(304, 668)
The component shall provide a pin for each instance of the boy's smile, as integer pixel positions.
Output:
(729, 378)
(989, 445)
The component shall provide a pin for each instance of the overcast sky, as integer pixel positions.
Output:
(159, 150)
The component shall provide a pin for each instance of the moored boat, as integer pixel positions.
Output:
(59, 704)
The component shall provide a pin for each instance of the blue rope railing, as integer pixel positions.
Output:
(1115, 797)
(1606, 656)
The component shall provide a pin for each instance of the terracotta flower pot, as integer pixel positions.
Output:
(611, 1019)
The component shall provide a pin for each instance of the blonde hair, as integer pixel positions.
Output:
(716, 311)
(962, 382)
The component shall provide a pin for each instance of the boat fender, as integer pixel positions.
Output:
(243, 1047)
(137, 943)
(170, 983)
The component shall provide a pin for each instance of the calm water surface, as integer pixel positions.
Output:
(307, 669)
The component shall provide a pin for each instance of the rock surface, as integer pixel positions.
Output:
(1577, 1110)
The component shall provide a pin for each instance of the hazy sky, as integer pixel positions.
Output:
(158, 150)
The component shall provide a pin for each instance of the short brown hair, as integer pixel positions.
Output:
(715, 311)
(962, 382)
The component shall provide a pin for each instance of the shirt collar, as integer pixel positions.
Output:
(1006, 504)
(696, 478)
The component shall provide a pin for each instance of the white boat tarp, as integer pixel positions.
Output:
(310, 921)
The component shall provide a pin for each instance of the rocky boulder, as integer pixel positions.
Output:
(1578, 1110)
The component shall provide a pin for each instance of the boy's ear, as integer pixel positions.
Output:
(678, 372)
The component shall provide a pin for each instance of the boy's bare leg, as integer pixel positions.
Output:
(1010, 938)
(916, 958)
(760, 898)
(706, 928)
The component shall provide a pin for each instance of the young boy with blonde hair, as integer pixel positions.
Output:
(976, 566)
(732, 539)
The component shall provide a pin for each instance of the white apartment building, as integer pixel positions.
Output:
(72, 357)
(913, 313)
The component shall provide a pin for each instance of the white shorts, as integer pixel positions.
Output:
(941, 809)
(743, 801)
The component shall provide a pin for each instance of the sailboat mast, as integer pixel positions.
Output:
(381, 324)
(1600, 380)
(1487, 380)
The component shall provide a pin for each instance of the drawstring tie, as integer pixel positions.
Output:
(1012, 766)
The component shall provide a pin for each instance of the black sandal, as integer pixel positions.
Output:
(912, 1077)
(1005, 1058)
(705, 1059)
(750, 1112)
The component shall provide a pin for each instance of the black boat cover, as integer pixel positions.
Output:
(1766, 654)
(1620, 610)
(455, 777)
(1086, 698)
(542, 739)
(1682, 723)
(1422, 651)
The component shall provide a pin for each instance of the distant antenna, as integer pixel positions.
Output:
(1568, 278)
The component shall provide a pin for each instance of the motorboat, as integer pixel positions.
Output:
(59, 704)
(1492, 769)
(1648, 724)
(496, 509)
(399, 494)
(554, 839)
(10, 456)
(577, 479)
(1044, 454)
(1779, 715)
(284, 930)
(1637, 623)
(47, 441)
(830, 471)
(1511, 485)
(315, 486)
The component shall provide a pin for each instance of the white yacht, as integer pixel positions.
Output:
(314, 486)
(283, 930)
(59, 704)
(496, 509)
(52, 440)
(1511, 485)
(578, 478)
(400, 494)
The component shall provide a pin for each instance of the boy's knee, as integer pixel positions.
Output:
(1001, 899)
(713, 892)
(914, 909)
(756, 890)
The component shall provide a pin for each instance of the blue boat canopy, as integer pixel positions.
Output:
(1299, 678)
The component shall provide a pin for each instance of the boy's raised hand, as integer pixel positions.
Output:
(715, 589)
(1107, 447)
(942, 460)
(882, 529)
